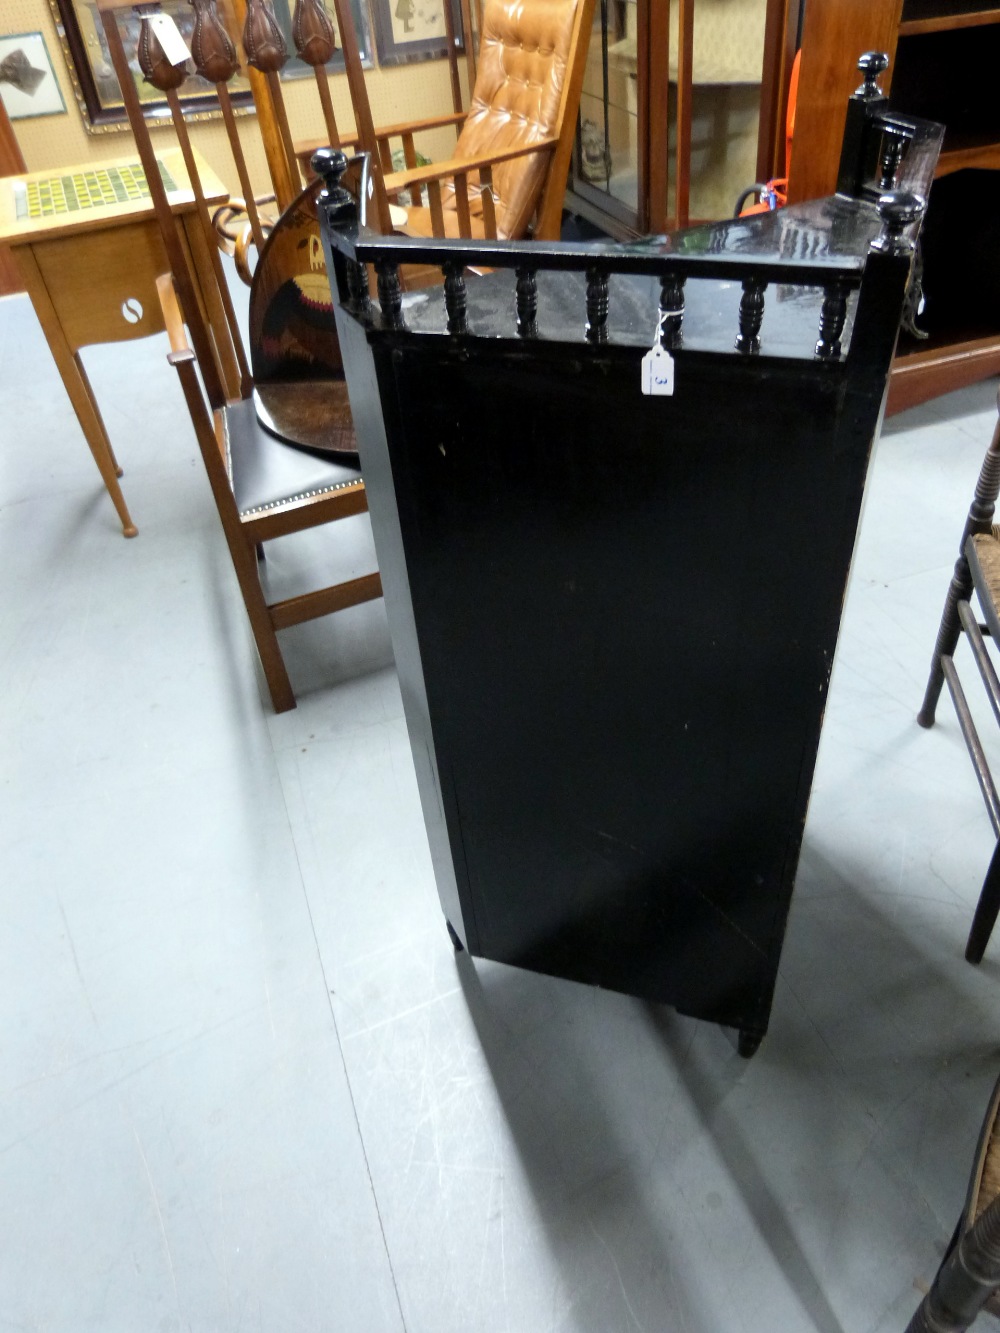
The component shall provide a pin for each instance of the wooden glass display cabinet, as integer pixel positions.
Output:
(680, 110)
(943, 58)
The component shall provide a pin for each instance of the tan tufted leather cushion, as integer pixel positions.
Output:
(523, 56)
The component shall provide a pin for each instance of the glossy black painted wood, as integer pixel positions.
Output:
(614, 615)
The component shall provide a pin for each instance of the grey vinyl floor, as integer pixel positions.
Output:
(245, 1083)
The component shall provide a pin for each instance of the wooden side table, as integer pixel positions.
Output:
(89, 249)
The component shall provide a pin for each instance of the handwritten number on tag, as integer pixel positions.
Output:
(658, 372)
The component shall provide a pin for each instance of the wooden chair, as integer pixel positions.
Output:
(262, 486)
(314, 38)
(512, 157)
(263, 489)
(244, 223)
(508, 171)
(977, 570)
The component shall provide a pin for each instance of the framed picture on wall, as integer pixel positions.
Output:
(81, 32)
(408, 30)
(28, 84)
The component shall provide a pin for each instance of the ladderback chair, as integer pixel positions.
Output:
(976, 574)
(264, 488)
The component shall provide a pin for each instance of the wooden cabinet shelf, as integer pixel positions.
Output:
(926, 370)
(945, 22)
(962, 151)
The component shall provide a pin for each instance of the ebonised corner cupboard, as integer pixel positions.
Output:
(614, 613)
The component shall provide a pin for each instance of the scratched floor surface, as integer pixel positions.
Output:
(246, 1084)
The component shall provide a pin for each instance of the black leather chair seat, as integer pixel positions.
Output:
(266, 473)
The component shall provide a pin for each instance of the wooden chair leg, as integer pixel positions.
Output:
(275, 673)
(242, 547)
(949, 631)
(965, 1281)
(987, 910)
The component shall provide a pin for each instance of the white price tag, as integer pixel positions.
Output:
(658, 371)
(174, 45)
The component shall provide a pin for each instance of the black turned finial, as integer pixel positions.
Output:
(671, 310)
(597, 305)
(455, 296)
(527, 302)
(860, 159)
(871, 65)
(898, 210)
(330, 164)
(751, 316)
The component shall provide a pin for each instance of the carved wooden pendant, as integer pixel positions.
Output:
(262, 39)
(154, 64)
(211, 46)
(313, 33)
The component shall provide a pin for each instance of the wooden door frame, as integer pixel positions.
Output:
(11, 164)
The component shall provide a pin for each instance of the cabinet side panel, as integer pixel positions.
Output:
(373, 416)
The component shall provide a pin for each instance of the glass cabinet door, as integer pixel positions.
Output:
(670, 109)
(608, 160)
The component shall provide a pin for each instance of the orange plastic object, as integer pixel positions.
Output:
(776, 191)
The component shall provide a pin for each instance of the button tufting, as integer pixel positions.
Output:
(524, 54)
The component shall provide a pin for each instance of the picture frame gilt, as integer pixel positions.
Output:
(95, 86)
(411, 30)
